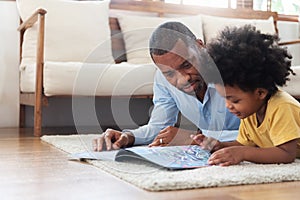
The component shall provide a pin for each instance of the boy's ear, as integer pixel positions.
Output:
(261, 93)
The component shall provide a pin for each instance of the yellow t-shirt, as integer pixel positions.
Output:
(280, 125)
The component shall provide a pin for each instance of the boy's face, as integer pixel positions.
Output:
(241, 103)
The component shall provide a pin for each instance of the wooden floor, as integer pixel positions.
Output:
(31, 169)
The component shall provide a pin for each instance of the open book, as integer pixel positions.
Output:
(171, 157)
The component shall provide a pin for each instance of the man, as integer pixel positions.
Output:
(178, 87)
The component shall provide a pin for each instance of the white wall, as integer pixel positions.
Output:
(9, 58)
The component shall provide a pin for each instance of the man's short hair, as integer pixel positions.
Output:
(165, 36)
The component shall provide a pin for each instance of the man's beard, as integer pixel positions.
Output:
(199, 86)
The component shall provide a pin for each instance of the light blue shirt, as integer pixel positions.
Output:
(211, 116)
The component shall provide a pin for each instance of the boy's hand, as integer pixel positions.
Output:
(227, 156)
(207, 143)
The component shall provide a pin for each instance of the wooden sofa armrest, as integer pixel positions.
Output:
(31, 20)
(289, 42)
(37, 17)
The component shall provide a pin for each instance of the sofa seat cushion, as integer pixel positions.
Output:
(91, 79)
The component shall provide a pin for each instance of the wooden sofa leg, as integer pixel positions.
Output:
(39, 77)
(37, 130)
(38, 120)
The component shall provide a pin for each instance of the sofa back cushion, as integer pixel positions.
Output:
(213, 25)
(137, 30)
(75, 31)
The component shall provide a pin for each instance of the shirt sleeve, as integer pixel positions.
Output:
(222, 136)
(164, 113)
(285, 124)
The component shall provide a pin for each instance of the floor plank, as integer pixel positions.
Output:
(31, 169)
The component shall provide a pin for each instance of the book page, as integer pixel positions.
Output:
(93, 155)
(172, 157)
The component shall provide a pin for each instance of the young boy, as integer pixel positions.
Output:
(252, 65)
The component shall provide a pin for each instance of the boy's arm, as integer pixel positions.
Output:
(284, 153)
(220, 145)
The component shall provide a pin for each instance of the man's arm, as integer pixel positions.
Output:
(164, 113)
(172, 136)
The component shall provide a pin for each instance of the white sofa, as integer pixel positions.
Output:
(82, 58)
(78, 46)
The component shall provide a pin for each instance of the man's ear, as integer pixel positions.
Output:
(200, 43)
(261, 93)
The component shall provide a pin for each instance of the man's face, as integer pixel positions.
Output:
(179, 68)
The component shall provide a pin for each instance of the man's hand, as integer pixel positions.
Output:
(113, 140)
(172, 136)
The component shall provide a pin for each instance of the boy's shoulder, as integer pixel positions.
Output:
(281, 97)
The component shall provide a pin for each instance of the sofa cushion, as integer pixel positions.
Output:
(138, 29)
(292, 86)
(73, 29)
(91, 79)
(213, 25)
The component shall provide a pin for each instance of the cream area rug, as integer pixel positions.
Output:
(153, 178)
